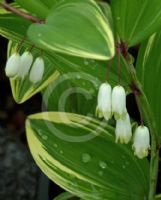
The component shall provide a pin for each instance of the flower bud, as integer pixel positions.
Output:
(104, 108)
(12, 65)
(123, 130)
(141, 144)
(25, 64)
(37, 70)
(119, 102)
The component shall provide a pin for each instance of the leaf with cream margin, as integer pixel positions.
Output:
(77, 28)
(84, 73)
(65, 196)
(23, 89)
(158, 197)
(80, 154)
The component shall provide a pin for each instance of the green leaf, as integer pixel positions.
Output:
(35, 7)
(148, 71)
(65, 96)
(22, 90)
(72, 90)
(13, 27)
(64, 196)
(107, 12)
(80, 154)
(50, 3)
(158, 197)
(85, 73)
(134, 19)
(76, 28)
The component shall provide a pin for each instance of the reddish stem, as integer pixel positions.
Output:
(108, 69)
(25, 15)
(137, 93)
(118, 56)
(21, 44)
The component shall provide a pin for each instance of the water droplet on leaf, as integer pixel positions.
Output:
(86, 62)
(86, 158)
(44, 137)
(112, 162)
(127, 163)
(61, 152)
(123, 166)
(55, 145)
(78, 76)
(100, 173)
(103, 165)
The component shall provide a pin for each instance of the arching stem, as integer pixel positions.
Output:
(148, 117)
(21, 13)
(108, 69)
(118, 57)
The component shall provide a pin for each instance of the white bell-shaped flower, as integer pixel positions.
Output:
(119, 102)
(12, 65)
(37, 70)
(104, 107)
(141, 143)
(123, 130)
(26, 62)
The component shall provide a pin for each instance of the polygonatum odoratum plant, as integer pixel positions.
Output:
(79, 55)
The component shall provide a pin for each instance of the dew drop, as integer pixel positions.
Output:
(127, 162)
(86, 62)
(91, 91)
(86, 158)
(118, 18)
(93, 67)
(100, 173)
(123, 166)
(78, 76)
(39, 132)
(61, 152)
(112, 162)
(44, 137)
(39, 35)
(55, 145)
(103, 165)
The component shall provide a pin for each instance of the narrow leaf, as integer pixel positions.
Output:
(134, 19)
(64, 196)
(148, 70)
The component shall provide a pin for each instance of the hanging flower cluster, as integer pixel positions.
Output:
(112, 102)
(21, 66)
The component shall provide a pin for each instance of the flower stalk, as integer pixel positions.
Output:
(21, 13)
(146, 113)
